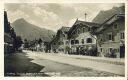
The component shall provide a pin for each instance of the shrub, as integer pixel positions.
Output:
(67, 49)
(112, 54)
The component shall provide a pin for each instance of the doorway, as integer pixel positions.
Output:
(122, 51)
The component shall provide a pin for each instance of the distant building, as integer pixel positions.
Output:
(80, 36)
(39, 45)
(8, 43)
(47, 47)
(60, 42)
(111, 37)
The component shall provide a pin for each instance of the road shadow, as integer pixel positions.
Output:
(18, 64)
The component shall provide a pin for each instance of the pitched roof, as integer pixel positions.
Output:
(104, 15)
(88, 24)
(109, 21)
(65, 29)
(55, 39)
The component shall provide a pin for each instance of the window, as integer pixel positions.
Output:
(75, 32)
(59, 43)
(101, 39)
(62, 50)
(89, 29)
(115, 26)
(101, 50)
(66, 42)
(72, 42)
(110, 36)
(78, 31)
(110, 50)
(89, 40)
(122, 35)
(63, 35)
(59, 49)
(83, 30)
(62, 43)
(116, 50)
(65, 32)
(76, 41)
(82, 41)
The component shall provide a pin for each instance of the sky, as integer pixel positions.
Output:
(53, 16)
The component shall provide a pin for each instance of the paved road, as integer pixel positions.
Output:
(67, 66)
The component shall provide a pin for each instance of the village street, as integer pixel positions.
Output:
(77, 65)
(60, 40)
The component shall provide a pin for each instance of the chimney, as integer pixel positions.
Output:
(85, 16)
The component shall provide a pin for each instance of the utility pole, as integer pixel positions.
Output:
(85, 16)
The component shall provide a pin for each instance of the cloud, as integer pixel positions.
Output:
(16, 15)
(71, 22)
(49, 20)
(53, 16)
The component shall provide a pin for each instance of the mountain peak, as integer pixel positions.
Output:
(31, 32)
(22, 20)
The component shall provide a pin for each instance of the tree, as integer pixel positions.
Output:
(40, 41)
(26, 44)
(67, 49)
(18, 42)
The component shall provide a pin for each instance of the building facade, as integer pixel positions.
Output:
(9, 36)
(111, 37)
(81, 38)
(54, 44)
(60, 42)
